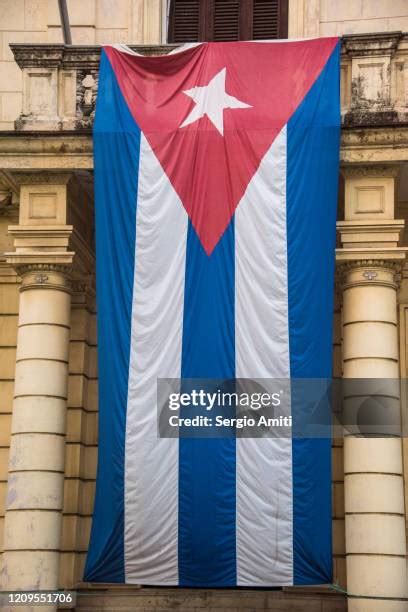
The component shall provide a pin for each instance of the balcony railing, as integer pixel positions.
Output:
(60, 82)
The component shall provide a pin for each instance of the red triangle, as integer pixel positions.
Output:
(209, 171)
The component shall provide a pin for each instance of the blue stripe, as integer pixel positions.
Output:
(207, 498)
(312, 179)
(116, 157)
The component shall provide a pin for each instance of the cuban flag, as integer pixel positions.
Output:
(216, 171)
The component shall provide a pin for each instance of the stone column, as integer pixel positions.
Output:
(36, 466)
(373, 472)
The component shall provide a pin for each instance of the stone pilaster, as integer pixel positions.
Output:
(37, 452)
(373, 474)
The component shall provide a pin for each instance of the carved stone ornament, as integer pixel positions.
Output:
(44, 276)
(369, 272)
(86, 92)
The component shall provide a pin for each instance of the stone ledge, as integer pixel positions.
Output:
(40, 258)
(125, 598)
(72, 150)
(42, 55)
(376, 256)
(371, 233)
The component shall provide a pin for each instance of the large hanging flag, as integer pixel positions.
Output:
(216, 172)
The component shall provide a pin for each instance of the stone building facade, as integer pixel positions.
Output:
(48, 341)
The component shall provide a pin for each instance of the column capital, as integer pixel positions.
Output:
(365, 268)
(51, 273)
(41, 257)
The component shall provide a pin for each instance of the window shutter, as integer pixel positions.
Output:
(265, 19)
(194, 20)
(226, 20)
(184, 21)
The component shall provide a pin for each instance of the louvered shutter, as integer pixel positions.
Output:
(226, 20)
(194, 20)
(265, 19)
(184, 23)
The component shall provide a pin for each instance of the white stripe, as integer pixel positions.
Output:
(264, 465)
(151, 465)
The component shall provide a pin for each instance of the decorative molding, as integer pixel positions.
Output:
(373, 170)
(373, 145)
(46, 151)
(33, 237)
(352, 256)
(367, 272)
(41, 260)
(370, 233)
(365, 259)
(388, 264)
(371, 45)
(41, 178)
(43, 275)
(72, 56)
(40, 231)
(72, 150)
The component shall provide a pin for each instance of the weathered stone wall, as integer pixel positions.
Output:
(361, 16)
(337, 17)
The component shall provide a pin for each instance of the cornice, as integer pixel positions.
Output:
(72, 56)
(358, 171)
(40, 260)
(69, 150)
(69, 56)
(372, 44)
(40, 231)
(384, 257)
(42, 275)
(370, 269)
(371, 225)
(34, 178)
(384, 231)
(386, 264)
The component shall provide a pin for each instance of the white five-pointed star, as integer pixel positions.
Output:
(211, 100)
